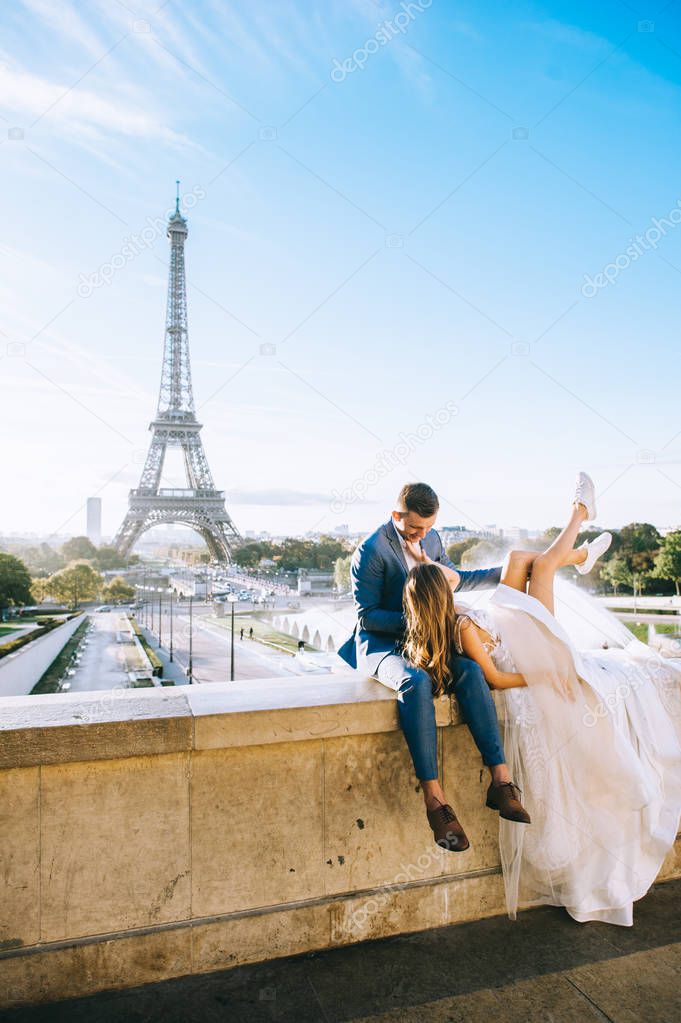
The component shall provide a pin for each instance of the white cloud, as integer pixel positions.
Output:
(64, 19)
(80, 110)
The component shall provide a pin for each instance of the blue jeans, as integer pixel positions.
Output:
(417, 711)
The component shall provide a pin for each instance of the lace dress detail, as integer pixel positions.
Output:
(483, 620)
(513, 701)
(600, 774)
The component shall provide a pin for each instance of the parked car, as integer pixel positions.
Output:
(104, 607)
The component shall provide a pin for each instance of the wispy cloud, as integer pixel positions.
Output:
(63, 19)
(81, 111)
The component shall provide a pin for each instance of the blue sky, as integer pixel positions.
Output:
(409, 239)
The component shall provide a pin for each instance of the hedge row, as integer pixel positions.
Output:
(42, 630)
(52, 676)
(156, 664)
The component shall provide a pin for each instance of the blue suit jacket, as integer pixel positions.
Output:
(378, 574)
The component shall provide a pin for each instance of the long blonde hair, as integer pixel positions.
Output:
(430, 615)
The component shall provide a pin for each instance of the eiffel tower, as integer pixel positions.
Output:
(198, 505)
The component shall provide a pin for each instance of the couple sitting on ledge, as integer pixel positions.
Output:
(587, 780)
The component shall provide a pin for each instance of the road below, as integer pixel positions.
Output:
(211, 650)
(106, 661)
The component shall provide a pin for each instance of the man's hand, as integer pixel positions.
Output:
(415, 548)
(418, 551)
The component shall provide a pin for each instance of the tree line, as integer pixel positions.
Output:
(639, 560)
(292, 553)
(70, 575)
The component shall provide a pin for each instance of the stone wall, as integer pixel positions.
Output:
(147, 834)
(20, 671)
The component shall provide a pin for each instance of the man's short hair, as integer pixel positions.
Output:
(418, 498)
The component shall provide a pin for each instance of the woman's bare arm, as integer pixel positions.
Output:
(473, 647)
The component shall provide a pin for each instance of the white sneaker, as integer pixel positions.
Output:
(594, 549)
(585, 493)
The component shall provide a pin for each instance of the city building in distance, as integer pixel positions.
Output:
(93, 527)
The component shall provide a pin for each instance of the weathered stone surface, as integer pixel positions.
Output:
(473, 898)
(379, 915)
(298, 800)
(465, 780)
(256, 826)
(19, 857)
(98, 725)
(96, 966)
(228, 943)
(375, 826)
(115, 845)
(231, 714)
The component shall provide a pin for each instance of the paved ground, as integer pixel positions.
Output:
(211, 650)
(105, 662)
(171, 669)
(544, 967)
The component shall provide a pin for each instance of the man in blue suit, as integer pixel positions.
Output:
(379, 571)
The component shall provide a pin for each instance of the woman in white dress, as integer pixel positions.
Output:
(592, 736)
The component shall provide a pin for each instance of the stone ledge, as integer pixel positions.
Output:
(97, 725)
(131, 866)
(106, 724)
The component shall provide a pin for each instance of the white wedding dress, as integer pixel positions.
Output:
(600, 772)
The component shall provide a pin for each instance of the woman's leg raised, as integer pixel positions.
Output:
(560, 553)
(515, 571)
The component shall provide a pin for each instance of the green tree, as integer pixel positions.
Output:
(341, 573)
(482, 553)
(616, 572)
(39, 589)
(15, 582)
(668, 559)
(78, 581)
(79, 548)
(456, 551)
(40, 559)
(325, 553)
(294, 553)
(106, 557)
(639, 538)
(118, 589)
(249, 555)
(639, 544)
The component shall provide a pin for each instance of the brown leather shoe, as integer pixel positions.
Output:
(448, 832)
(504, 798)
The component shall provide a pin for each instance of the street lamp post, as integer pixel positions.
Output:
(160, 619)
(171, 625)
(190, 670)
(151, 604)
(232, 598)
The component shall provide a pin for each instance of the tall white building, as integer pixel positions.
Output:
(94, 520)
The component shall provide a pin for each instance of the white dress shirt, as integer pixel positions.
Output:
(408, 556)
